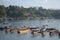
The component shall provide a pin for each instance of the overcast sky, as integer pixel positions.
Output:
(48, 4)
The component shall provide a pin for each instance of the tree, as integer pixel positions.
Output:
(2, 11)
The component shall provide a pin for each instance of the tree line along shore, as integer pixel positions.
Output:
(28, 13)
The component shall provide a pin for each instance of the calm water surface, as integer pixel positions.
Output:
(54, 23)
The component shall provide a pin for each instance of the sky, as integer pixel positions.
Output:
(48, 4)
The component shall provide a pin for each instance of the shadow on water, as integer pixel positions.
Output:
(1, 28)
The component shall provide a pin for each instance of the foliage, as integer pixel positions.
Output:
(2, 11)
(31, 12)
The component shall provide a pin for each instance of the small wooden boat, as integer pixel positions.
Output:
(53, 32)
(35, 31)
(51, 29)
(7, 29)
(23, 30)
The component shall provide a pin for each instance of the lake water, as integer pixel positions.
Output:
(54, 23)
